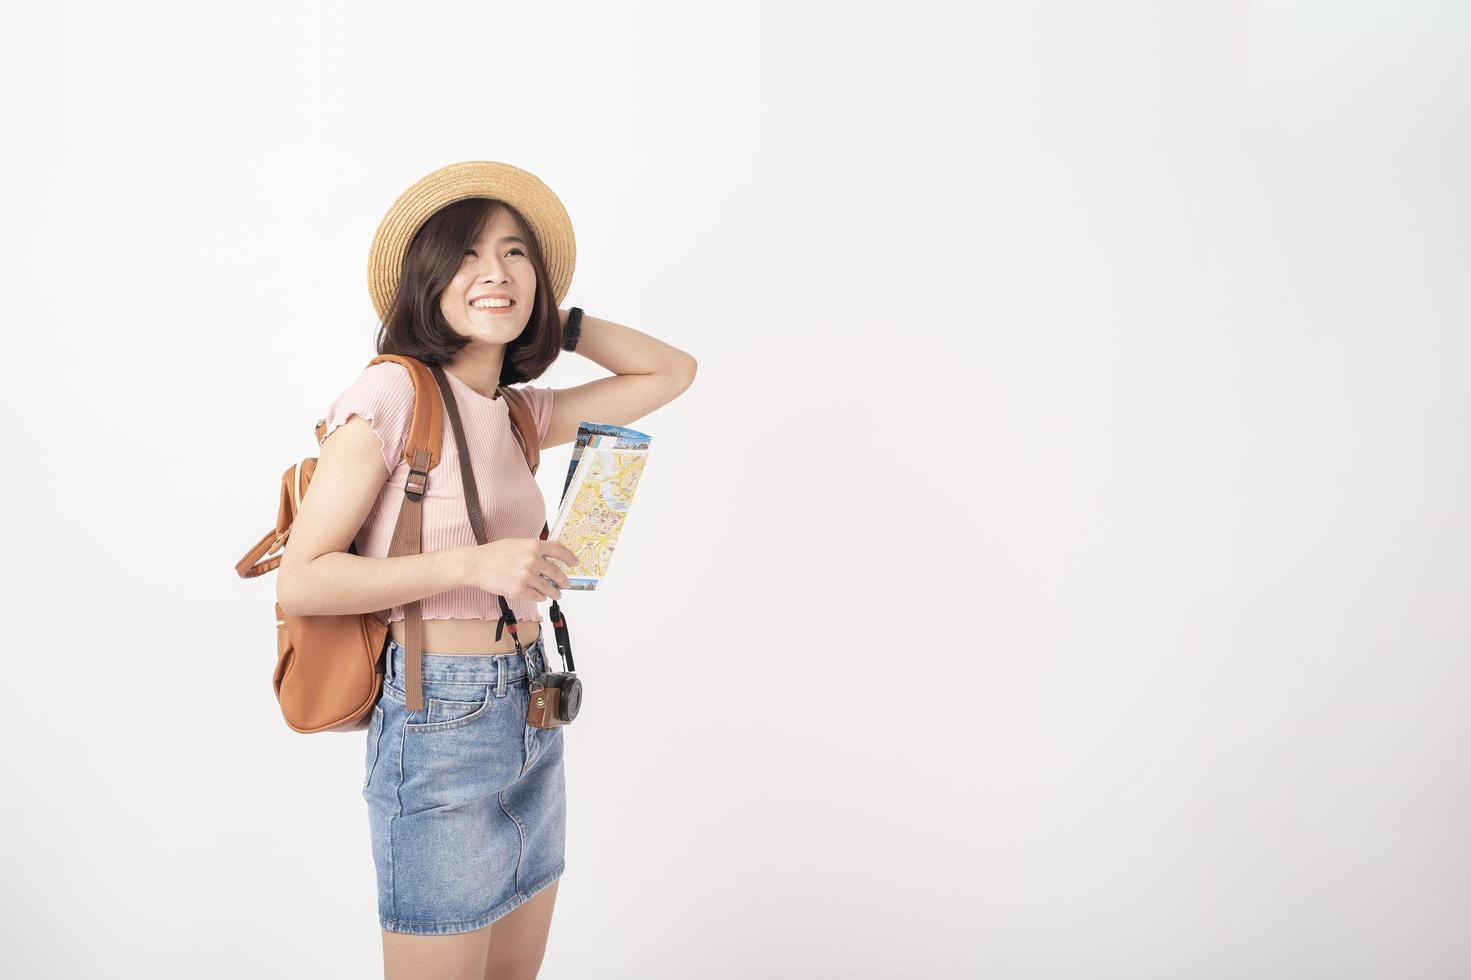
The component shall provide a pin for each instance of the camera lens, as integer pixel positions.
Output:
(571, 697)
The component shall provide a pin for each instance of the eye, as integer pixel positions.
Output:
(515, 251)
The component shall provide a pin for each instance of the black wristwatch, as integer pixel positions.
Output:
(573, 328)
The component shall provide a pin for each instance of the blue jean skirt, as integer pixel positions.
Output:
(467, 804)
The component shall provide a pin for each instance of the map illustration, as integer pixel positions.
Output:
(607, 461)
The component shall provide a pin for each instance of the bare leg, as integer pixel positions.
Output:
(460, 956)
(518, 939)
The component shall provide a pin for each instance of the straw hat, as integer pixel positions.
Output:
(474, 178)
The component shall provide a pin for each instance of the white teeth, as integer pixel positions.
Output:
(485, 304)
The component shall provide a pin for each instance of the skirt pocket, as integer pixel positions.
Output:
(448, 706)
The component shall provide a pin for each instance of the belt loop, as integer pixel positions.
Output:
(530, 666)
(500, 677)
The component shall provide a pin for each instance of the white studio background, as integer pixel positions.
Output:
(1057, 568)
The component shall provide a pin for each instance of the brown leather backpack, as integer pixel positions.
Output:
(329, 669)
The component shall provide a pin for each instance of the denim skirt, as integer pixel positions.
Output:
(467, 804)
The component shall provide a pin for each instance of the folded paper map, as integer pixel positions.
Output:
(607, 461)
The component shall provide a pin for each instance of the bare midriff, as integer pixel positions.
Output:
(468, 637)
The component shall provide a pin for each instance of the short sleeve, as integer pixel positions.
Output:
(541, 409)
(383, 395)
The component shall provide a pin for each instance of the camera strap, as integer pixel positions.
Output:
(477, 524)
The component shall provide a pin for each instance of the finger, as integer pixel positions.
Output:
(545, 589)
(554, 572)
(534, 587)
(555, 580)
(560, 566)
(563, 553)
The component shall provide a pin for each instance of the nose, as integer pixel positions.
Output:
(492, 269)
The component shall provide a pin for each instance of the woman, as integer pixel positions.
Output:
(467, 802)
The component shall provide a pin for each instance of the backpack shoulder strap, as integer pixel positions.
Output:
(426, 430)
(523, 424)
(421, 449)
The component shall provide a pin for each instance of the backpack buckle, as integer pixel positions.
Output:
(416, 484)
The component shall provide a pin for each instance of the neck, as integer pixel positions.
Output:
(480, 370)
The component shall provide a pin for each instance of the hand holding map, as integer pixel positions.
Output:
(607, 461)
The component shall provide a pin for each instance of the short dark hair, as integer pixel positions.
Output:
(415, 326)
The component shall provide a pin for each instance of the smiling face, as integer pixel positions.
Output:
(497, 265)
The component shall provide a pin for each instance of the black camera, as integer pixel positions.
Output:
(555, 698)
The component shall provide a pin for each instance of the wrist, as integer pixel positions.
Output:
(572, 328)
(459, 566)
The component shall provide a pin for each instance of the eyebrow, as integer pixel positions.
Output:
(513, 238)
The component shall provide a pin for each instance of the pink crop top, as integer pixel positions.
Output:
(511, 502)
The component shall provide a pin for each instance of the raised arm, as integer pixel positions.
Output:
(648, 374)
